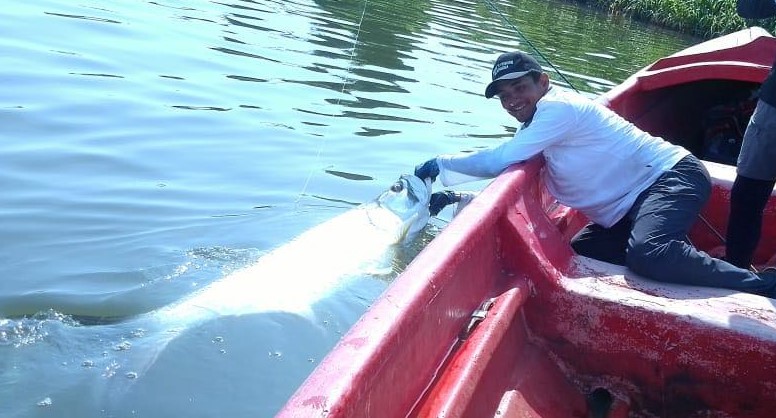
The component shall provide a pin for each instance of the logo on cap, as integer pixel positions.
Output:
(501, 66)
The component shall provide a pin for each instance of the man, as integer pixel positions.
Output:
(756, 168)
(641, 193)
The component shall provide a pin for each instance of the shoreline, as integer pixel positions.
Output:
(702, 18)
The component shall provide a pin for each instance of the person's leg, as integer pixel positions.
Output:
(756, 172)
(605, 244)
(748, 198)
(662, 217)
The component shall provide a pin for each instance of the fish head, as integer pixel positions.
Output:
(408, 200)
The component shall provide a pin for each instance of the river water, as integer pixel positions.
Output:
(149, 148)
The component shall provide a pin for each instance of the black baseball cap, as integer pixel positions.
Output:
(510, 66)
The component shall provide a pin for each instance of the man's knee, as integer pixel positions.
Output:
(600, 251)
(647, 260)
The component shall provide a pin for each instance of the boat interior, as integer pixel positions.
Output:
(707, 117)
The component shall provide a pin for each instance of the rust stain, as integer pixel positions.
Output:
(317, 402)
(355, 342)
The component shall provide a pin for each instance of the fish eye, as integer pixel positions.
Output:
(397, 187)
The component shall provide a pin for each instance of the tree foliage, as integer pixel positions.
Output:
(707, 18)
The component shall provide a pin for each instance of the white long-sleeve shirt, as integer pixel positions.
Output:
(596, 161)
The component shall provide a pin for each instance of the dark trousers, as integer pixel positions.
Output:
(651, 239)
(748, 198)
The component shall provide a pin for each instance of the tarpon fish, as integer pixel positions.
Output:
(291, 278)
(294, 276)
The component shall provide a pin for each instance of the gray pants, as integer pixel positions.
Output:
(651, 239)
(753, 186)
(757, 159)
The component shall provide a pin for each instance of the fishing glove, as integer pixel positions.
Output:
(441, 199)
(427, 170)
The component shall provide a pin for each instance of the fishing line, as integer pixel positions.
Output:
(321, 143)
(494, 8)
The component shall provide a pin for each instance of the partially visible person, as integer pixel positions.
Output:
(641, 192)
(756, 167)
(756, 9)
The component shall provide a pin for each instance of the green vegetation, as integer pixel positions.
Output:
(706, 18)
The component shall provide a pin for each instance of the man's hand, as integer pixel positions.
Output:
(427, 170)
(441, 199)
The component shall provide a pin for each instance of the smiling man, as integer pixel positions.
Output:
(641, 193)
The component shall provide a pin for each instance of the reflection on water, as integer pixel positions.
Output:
(150, 149)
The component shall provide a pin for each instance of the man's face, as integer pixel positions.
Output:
(519, 97)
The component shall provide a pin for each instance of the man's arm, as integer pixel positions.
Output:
(756, 9)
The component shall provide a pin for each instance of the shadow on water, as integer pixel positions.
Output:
(123, 367)
(245, 359)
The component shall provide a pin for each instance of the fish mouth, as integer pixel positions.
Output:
(413, 184)
(407, 200)
(411, 194)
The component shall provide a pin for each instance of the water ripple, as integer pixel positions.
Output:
(96, 19)
(30, 330)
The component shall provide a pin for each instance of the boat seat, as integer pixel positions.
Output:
(659, 346)
(741, 312)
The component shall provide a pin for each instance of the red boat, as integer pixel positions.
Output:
(498, 317)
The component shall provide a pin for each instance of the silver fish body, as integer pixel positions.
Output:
(294, 276)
